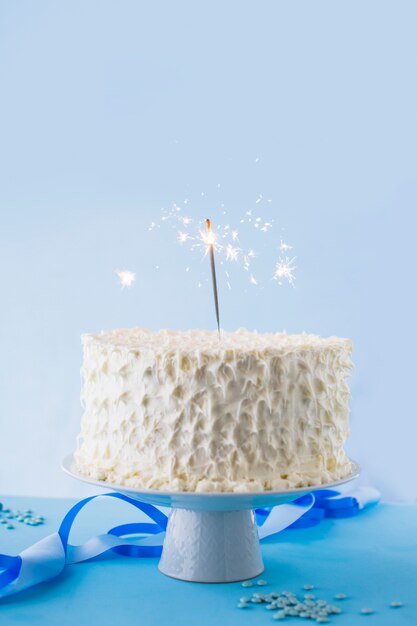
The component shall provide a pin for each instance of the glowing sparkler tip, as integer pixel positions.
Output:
(208, 238)
(126, 278)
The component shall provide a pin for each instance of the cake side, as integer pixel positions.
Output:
(185, 411)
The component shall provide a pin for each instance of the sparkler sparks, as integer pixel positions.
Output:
(284, 247)
(285, 269)
(232, 253)
(233, 240)
(182, 237)
(126, 278)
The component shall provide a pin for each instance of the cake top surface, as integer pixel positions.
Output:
(241, 340)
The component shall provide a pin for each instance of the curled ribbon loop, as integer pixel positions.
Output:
(47, 558)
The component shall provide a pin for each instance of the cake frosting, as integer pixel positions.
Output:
(188, 411)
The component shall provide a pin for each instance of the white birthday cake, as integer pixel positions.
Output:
(188, 411)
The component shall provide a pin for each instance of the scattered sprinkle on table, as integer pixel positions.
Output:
(340, 596)
(367, 611)
(287, 604)
(24, 517)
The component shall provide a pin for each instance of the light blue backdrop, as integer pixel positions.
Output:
(110, 111)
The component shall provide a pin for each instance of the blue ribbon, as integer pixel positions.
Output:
(47, 558)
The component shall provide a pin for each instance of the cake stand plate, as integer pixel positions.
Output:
(210, 537)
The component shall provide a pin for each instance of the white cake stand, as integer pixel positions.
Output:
(211, 537)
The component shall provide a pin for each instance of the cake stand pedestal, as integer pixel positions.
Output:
(211, 537)
(211, 546)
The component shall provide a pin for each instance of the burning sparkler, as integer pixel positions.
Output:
(233, 246)
(210, 240)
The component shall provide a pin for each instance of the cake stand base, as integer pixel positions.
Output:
(211, 537)
(211, 546)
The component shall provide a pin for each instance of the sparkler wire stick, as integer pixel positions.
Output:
(213, 273)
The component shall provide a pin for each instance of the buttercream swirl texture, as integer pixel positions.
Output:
(186, 411)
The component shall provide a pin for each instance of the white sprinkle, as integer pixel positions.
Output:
(367, 611)
(396, 604)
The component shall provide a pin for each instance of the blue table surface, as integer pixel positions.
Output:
(372, 558)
